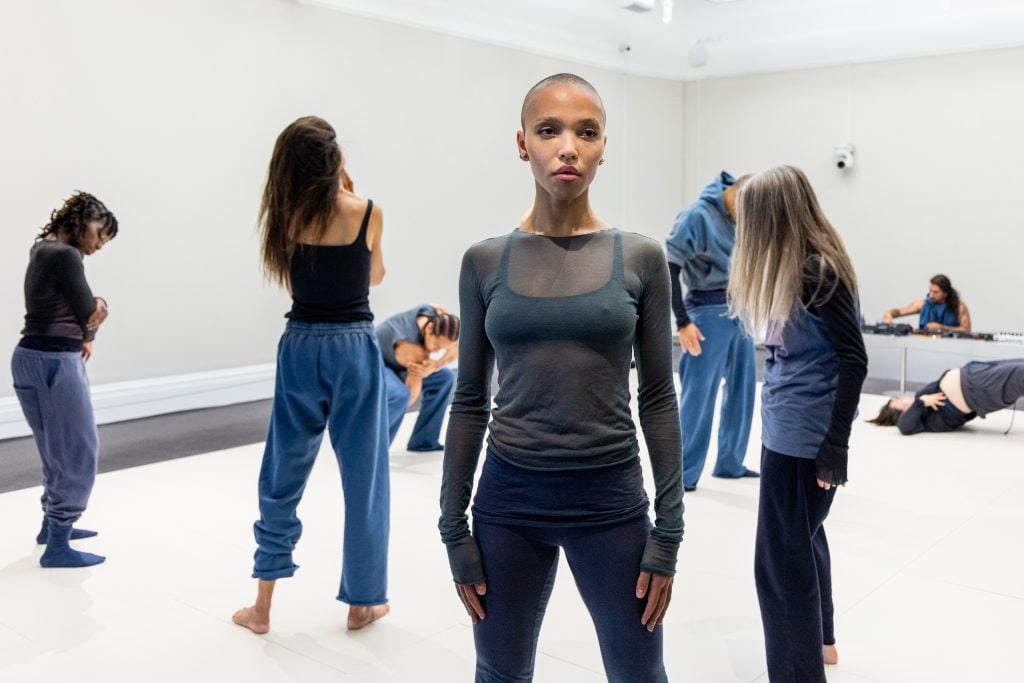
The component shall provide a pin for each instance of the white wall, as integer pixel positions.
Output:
(937, 182)
(168, 113)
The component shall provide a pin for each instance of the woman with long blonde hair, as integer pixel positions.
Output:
(792, 274)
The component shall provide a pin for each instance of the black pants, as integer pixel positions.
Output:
(792, 569)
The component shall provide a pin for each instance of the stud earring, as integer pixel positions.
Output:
(600, 162)
(524, 157)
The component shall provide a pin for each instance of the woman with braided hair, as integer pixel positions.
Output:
(61, 319)
(417, 345)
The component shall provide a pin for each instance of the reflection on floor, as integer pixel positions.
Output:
(926, 543)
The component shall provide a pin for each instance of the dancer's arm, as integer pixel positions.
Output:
(913, 419)
(375, 237)
(910, 309)
(470, 410)
(659, 419)
(839, 313)
(69, 273)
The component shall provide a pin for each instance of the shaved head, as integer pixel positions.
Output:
(558, 79)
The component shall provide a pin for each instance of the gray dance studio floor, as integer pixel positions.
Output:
(927, 558)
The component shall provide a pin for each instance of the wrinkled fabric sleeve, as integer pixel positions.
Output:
(659, 414)
(688, 237)
(839, 313)
(68, 271)
(678, 306)
(912, 421)
(467, 423)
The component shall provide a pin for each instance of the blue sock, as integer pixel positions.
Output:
(59, 554)
(44, 533)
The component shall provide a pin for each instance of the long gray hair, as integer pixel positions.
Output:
(780, 225)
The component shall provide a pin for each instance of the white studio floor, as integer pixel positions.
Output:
(928, 562)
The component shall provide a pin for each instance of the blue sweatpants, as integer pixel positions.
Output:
(727, 352)
(435, 396)
(793, 568)
(328, 376)
(53, 390)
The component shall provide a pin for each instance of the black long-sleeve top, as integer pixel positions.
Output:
(841, 317)
(561, 318)
(58, 300)
(678, 306)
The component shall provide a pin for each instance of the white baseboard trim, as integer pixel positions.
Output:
(121, 401)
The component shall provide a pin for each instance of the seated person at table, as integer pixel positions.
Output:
(959, 395)
(411, 344)
(940, 311)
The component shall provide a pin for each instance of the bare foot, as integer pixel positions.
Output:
(255, 620)
(358, 617)
(831, 654)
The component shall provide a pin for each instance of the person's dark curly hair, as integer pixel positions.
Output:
(73, 218)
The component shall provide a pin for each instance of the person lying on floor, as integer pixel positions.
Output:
(958, 396)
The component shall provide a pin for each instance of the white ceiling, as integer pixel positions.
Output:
(743, 36)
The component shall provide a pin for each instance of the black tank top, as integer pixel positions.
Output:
(331, 283)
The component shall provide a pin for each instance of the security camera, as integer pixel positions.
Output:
(625, 48)
(844, 157)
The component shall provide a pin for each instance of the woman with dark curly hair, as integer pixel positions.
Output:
(61, 319)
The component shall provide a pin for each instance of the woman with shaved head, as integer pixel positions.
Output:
(561, 305)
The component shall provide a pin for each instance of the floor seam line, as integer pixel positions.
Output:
(927, 550)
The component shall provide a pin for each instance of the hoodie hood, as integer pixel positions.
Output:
(703, 237)
(714, 192)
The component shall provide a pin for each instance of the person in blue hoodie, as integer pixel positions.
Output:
(700, 250)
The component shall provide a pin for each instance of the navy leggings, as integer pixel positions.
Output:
(792, 568)
(520, 564)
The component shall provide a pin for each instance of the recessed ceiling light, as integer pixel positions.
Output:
(637, 5)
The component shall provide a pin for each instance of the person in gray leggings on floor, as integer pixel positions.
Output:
(61, 319)
(957, 397)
